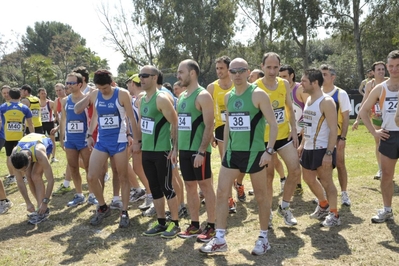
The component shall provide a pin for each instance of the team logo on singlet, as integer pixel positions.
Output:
(275, 104)
(183, 106)
(145, 110)
(110, 105)
(238, 104)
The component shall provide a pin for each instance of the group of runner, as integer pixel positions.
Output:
(252, 117)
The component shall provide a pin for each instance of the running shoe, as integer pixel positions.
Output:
(124, 220)
(191, 231)
(61, 190)
(54, 160)
(5, 205)
(183, 212)
(149, 212)
(345, 199)
(116, 205)
(171, 231)
(378, 175)
(331, 220)
(240, 192)
(320, 213)
(36, 218)
(100, 215)
(91, 199)
(147, 203)
(215, 245)
(261, 246)
(251, 192)
(137, 195)
(282, 183)
(77, 200)
(10, 180)
(286, 213)
(232, 206)
(155, 229)
(106, 177)
(382, 216)
(207, 234)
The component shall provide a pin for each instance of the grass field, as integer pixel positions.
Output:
(68, 238)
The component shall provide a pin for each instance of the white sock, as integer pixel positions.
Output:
(388, 209)
(116, 198)
(220, 233)
(66, 183)
(80, 194)
(263, 234)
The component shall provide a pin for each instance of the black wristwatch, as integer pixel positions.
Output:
(342, 138)
(46, 200)
(270, 151)
(329, 152)
(89, 136)
(201, 153)
(129, 135)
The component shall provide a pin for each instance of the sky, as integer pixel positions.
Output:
(81, 15)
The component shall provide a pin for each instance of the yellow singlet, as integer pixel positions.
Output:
(218, 105)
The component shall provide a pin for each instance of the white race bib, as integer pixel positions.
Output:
(184, 122)
(75, 127)
(147, 125)
(35, 113)
(279, 113)
(14, 126)
(307, 129)
(109, 121)
(391, 104)
(239, 121)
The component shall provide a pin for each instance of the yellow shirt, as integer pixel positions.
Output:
(29, 143)
(35, 108)
(218, 103)
(277, 99)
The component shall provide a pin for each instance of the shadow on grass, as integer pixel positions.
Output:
(392, 245)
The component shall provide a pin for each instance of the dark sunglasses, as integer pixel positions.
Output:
(237, 70)
(145, 75)
(71, 83)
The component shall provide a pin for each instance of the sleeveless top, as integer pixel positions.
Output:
(246, 122)
(190, 122)
(388, 103)
(277, 99)
(76, 124)
(298, 108)
(155, 128)
(13, 117)
(46, 112)
(35, 108)
(219, 104)
(111, 119)
(29, 143)
(316, 131)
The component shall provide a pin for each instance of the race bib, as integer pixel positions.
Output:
(239, 121)
(279, 114)
(35, 113)
(75, 127)
(14, 126)
(391, 104)
(147, 125)
(307, 129)
(109, 121)
(45, 117)
(184, 122)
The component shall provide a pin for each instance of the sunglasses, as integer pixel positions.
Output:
(71, 83)
(145, 75)
(238, 70)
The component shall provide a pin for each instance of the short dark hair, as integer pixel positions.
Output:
(375, 64)
(168, 86)
(223, 59)
(314, 74)
(102, 77)
(14, 93)
(289, 69)
(19, 160)
(192, 65)
(82, 71)
(269, 54)
(41, 89)
(26, 87)
(393, 55)
(79, 77)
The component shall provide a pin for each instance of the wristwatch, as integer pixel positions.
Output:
(329, 153)
(89, 136)
(46, 200)
(342, 138)
(201, 153)
(270, 151)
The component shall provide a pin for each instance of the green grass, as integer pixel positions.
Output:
(68, 238)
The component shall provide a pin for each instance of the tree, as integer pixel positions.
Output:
(38, 68)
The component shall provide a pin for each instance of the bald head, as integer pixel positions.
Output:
(238, 63)
(150, 70)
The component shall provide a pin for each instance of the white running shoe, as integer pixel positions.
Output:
(382, 216)
(286, 213)
(261, 246)
(320, 213)
(345, 199)
(116, 205)
(331, 220)
(147, 203)
(215, 245)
